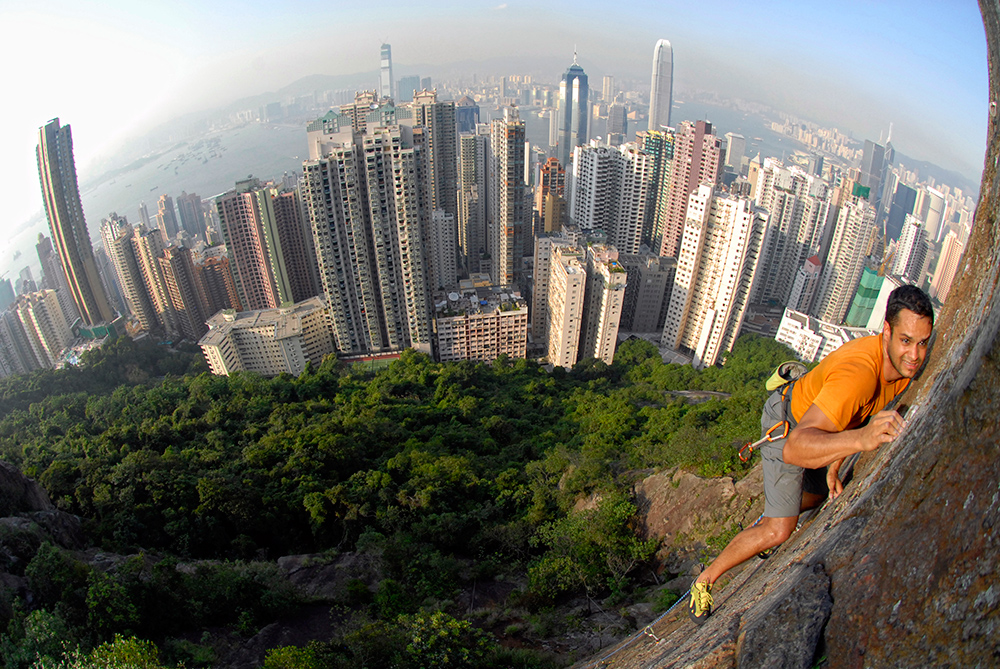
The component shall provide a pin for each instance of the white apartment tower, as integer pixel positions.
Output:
(911, 252)
(611, 188)
(270, 341)
(661, 95)
(716, 264)
(567, 288)
(603, 302)
(850, 245)
(947, 266)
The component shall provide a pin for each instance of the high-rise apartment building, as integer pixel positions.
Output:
(660, 145)
(610, 191)
(60, 191)
(16, 354)
(911, 252)
(472, 239)
(387, 85)
(551, 179)
(649, 280)
(947, 266)
(509, 213)
(805, 284)
(46, 328)
(406, 87)
(288, 242)
(368, 203)
(186, 297)
(716, 264)
(166, 218)
(736, 146)
(148, 247)
(216, 278)
(661, 96)
(851, 243)
(603, 301)
(192, 214)
(117, 235)
(566, 292)
(242, 222)
(437, 119)
(608, 88)
(695, 162)
(54, 278)
(573, 112)
(798, 207)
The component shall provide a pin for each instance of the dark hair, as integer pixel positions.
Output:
(908, 297)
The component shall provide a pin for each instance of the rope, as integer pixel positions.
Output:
(646, 631)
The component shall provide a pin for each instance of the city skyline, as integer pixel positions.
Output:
(914, 65)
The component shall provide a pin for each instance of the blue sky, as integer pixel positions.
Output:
(111, 68)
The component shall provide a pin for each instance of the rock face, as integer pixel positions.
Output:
(911, 550)
(19, 494)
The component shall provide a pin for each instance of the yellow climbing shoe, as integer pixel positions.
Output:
(700, 606)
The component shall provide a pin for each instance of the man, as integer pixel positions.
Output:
(834, 411)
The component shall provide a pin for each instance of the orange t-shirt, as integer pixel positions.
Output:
(847, 385)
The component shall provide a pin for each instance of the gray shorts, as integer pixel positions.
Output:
(784, 483)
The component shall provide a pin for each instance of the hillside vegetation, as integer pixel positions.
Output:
(437, 474)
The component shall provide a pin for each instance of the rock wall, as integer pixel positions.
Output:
(901, 570)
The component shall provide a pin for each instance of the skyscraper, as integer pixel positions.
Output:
(661, 94)
(192, 215)
(387, 85)
(610, 187)
(57, 173)
(851, 243)
(472, 199)
(166, 218)
(242, 223)
(509, 212)
(368, 201)
(117, 235)
(54, 277)
(798, 209)
(696, 153)
(573, 112)
(911, 251)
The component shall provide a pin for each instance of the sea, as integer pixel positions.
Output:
(212, 163)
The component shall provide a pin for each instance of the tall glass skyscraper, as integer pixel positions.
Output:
(661, 94)
(387, 85)
(57, 174)
(573, 111)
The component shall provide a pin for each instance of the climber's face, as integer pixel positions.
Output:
(905, 345)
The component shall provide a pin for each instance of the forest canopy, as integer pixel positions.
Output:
(431, 467)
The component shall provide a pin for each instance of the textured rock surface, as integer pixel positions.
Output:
(19, 494)
(785, 634)
(912, 549)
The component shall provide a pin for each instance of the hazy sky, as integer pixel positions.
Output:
(109, 68)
